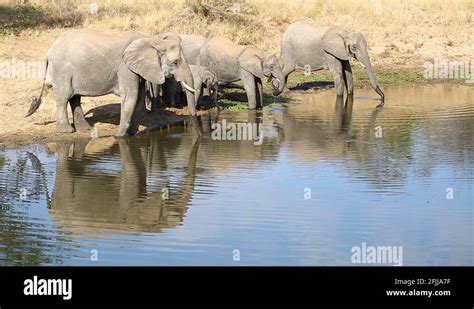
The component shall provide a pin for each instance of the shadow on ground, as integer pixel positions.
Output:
(110, 114)
(312, 86)
(233, 96)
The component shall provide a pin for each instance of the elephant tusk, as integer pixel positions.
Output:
(188, 87)
(363, 66)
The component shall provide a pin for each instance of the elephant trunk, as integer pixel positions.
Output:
(279, 84)
(185, 77)
(368, 67)
(190, 94)
(191, 98)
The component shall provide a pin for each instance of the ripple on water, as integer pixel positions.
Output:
(330, 175)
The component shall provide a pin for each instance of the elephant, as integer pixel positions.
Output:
(91, 63)
(191, 45)
(312, 48)
(205, 83)
(232, 62)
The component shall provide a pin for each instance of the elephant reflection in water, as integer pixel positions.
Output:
(319, 132)
(342, 118)
(86, 199)
(317, 124)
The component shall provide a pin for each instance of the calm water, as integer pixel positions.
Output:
(329, 175)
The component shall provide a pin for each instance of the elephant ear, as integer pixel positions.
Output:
(333, 43)
(252, 63)
(142, 57)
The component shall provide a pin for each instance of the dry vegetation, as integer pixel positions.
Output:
(398, 32)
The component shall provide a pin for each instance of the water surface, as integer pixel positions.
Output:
(331, 174)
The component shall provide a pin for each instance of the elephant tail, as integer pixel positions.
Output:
(35, 104)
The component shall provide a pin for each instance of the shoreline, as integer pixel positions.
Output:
(39, 128)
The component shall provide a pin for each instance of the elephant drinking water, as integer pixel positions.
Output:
(206, 83)
(232, 62)
(312, 48)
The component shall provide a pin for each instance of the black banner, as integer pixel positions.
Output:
(332, 285)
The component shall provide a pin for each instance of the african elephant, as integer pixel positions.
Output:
(312, 48)
(205, 83)
(91, 63)
(191, 44)
(232, 62)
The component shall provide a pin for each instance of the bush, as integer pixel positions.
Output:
(19, 17)
(221, 9)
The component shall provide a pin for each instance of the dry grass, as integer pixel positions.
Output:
(407, 25)
(404, 35)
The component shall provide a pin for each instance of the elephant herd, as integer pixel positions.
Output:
(135, 67)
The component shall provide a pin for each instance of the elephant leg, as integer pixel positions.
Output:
(140, 110)
(151, 97)
(335, 67)
(199, 94)
(62, 122)
(348, 80)
(80, 122)
(287, 70)
(259, 92)
(289, 66)
(129, 102)
(249, 84)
